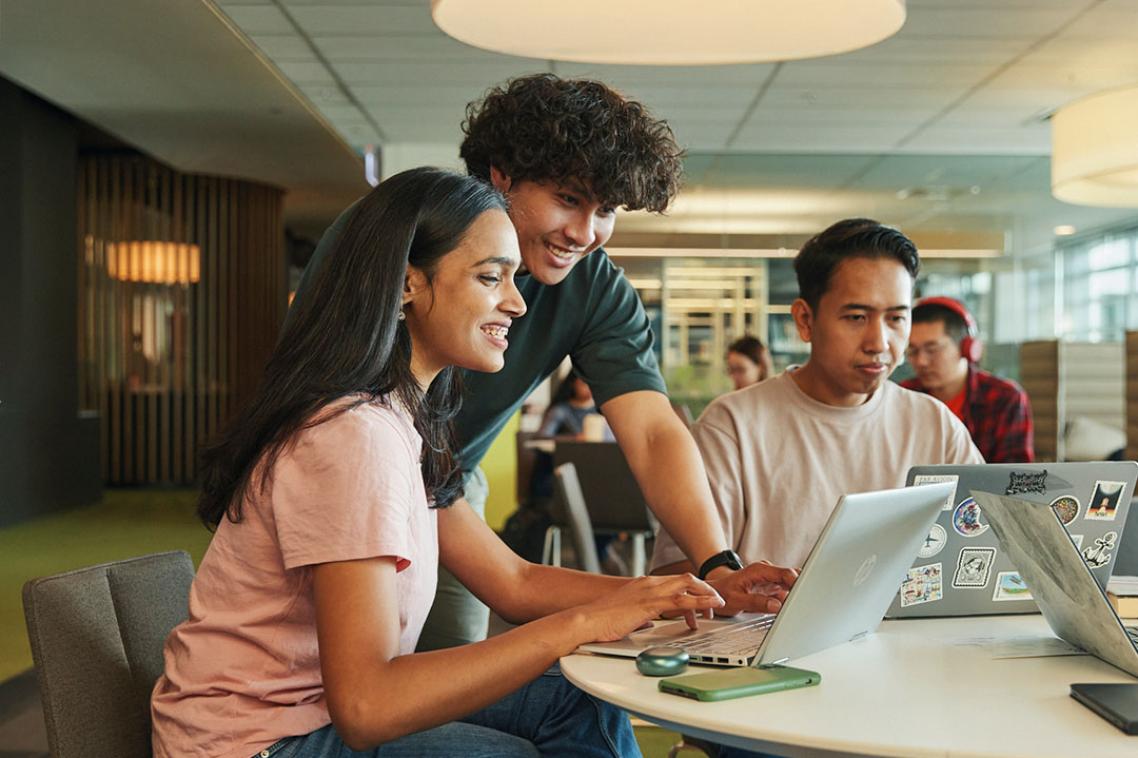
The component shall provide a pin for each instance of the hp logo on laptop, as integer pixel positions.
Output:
(866, 569)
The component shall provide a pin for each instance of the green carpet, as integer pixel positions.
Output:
(125, 523)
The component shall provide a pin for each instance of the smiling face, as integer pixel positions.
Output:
(460, 313)
(557, 224)
(857, 333)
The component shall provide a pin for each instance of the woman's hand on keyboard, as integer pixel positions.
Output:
(758, 588)
(622, 612)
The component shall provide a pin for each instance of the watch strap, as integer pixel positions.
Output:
(728, 558)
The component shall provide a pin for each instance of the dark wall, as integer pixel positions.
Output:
(49, 452)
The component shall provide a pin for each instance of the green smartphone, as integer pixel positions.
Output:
(740, 682)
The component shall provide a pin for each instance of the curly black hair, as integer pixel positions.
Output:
(544, 128)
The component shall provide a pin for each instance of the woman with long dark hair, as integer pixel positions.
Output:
(306, 609)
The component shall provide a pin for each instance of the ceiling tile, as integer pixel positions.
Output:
(304, 73)
(476, 75)
(371, 18)
(284, 47)
(424, 48)
(259, 19)
(988, 20)
(976, 140)
(838, 75)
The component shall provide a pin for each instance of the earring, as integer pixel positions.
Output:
(402, 315)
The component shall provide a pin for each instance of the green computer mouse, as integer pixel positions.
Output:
(662, 661)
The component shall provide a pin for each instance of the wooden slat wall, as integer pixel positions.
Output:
(1132, 396)
(166, 364)
(1069, 379)
(1039, 377)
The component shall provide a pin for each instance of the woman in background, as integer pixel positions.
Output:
(748, 361)
(572, 402)
(328, 497)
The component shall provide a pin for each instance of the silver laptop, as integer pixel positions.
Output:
(842, 593)
(979, 577)
(1058, 577)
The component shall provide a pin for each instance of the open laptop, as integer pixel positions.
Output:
(1092, 499)
(842, 593)
(1057, 574)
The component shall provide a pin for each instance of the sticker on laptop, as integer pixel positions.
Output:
(1078, 540)
(937, 479)
(1011, 586)
(1023, 482)
(1099, 554)
(922, 585)
(966, 519)
(1103, 505)
(1066, 507)
(934, 542)
(974, 567)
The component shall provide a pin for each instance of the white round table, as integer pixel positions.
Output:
(928, 687)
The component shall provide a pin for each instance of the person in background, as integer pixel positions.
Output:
(944, 351)
(748, 361)
(567, 153)
(328, 494)
(571, 403)
(780, 453)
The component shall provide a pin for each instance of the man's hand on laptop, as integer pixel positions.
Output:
(757, 588)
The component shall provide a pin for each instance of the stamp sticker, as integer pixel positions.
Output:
(923, 585)
(1066, 507)
(1103, 505)
(934, 542)
(966, 519)
(974, 567)
(937, 479)
(1011, 586)
(1099, 554)
(1078, 540)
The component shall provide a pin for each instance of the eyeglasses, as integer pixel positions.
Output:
(931, 349)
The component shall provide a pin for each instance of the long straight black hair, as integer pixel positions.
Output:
(343, 337)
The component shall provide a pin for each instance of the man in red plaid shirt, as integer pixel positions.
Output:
(944, 350)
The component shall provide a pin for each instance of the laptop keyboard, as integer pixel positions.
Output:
(741, 639)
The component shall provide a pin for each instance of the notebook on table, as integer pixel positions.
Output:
(961, 569)
(845, 586)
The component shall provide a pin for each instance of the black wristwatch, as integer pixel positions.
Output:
(728, 558)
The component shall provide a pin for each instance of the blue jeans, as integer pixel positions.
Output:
(548, 716)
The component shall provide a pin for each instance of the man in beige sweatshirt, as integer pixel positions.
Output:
(780, 453)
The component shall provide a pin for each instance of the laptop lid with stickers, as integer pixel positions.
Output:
(962, 570)
(1059, 576)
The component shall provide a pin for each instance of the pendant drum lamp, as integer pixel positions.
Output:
(1094, 150)
(669, 32)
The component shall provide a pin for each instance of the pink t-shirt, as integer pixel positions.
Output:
(244, 670)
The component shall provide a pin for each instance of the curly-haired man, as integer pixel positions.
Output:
(567, 154)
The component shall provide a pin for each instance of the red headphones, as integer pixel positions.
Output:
(970, 347)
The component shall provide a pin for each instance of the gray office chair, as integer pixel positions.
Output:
(612, 495)
(569, 509)
(96, 637)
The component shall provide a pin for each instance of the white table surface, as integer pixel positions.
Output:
(920, 687)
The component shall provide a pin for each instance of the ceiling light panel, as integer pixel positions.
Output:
(663, 32)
